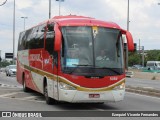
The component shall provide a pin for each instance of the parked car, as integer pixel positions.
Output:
(11, 70)
(129, 74)
(137, 67)
(153, 65)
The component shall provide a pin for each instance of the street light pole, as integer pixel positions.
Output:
(13, 31)
(127, 30)
(60, 6)
(128, 17)
(24, 21)
(49, 9)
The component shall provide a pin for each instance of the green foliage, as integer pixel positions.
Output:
(133, 58)
(150, 55)
(153, 55)
(5, 63)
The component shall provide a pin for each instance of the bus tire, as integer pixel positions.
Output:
(25, 88)
(49, 100)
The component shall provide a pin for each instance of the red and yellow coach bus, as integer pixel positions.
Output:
(74, 59)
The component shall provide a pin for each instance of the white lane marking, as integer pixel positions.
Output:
(10, 86)
(39, 101)
(143, 95)
(10, 89)
(148, 87)
(9, 94)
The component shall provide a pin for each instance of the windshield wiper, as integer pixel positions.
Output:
(112, 69)
(78, 65)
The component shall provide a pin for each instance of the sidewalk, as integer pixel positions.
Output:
(144, 83)
(146, 75)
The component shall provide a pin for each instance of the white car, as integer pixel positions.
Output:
(129, 74)
(11, 70)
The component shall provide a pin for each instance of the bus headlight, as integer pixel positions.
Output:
(120, 87)
(66, 86)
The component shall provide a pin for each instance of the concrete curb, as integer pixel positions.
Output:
(144, 91)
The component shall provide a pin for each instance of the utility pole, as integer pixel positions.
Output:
(127, 30)
(139, 51)
(49, 9)
(139, 47)
(128, 17)
(0, 58)
(14, 31)
(24, 21)
(60, 6)
(143, 56)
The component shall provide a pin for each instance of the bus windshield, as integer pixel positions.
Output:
(92, 51)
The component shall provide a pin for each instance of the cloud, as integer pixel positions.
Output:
(23, 4)
(6, 40)
(144, 16)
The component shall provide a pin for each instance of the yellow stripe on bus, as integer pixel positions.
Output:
(79, 88)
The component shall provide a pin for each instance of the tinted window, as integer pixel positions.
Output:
(50, 40)
(20, 45)
(37, 37)
(27, 38)
(32, 38)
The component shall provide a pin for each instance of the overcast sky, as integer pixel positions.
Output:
(144, 17)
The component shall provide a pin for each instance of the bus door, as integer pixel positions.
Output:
(50, 62)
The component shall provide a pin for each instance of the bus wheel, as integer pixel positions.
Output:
(49, 100)
(25, 88)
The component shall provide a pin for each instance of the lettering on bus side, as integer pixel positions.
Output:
(113, 78)
(35, 57)
(46, 61)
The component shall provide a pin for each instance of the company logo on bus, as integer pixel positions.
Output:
(35, 57)
(113, 78)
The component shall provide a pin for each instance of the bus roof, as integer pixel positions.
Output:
(74, 20)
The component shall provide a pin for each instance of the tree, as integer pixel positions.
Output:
(153, 55)
(5, 63)
(136, 58)
(133, 58)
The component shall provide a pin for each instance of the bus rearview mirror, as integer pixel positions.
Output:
(58, 38)
(129, 41)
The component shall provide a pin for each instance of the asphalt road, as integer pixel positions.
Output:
(153, 84)
(9, 80)
(19, 101)
(12, 98)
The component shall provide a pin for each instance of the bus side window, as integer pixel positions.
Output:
(33, 38)
(28, 35)
(50, 39)
(40, 36)
(20, 41)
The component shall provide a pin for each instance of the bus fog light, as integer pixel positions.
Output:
(120, 87)
(66, 86)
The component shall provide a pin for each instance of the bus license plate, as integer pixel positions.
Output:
(94, 95)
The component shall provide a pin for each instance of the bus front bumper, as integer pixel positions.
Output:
(75, 96)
